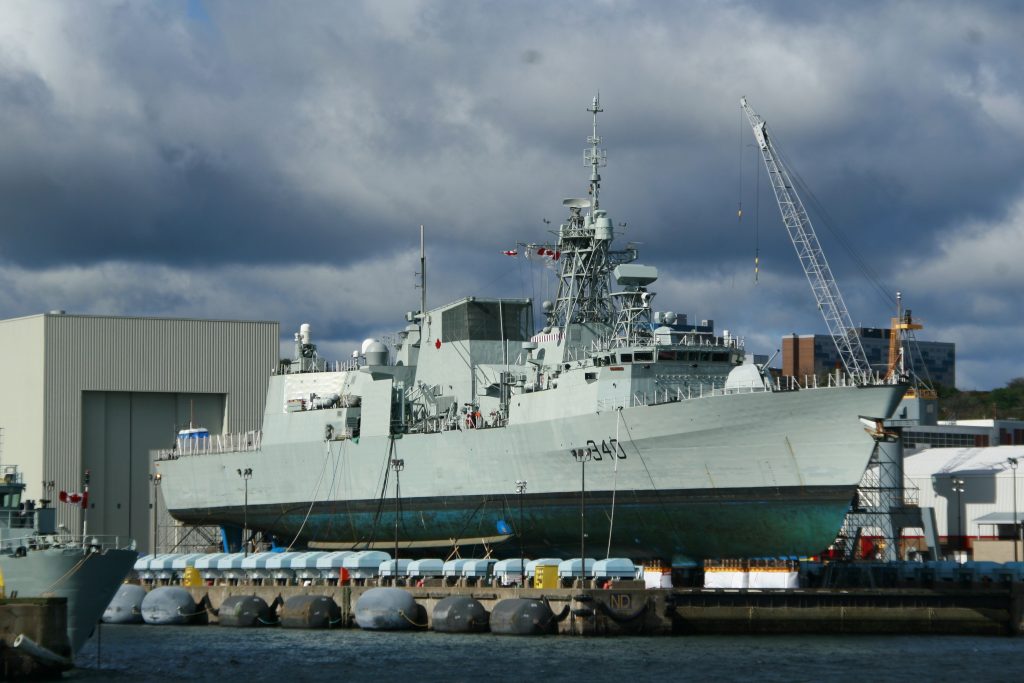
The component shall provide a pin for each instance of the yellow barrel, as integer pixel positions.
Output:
(191, 577)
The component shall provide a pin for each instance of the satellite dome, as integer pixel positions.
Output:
(376, 352)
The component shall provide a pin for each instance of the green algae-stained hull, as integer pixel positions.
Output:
(676, 525)
(738, 475)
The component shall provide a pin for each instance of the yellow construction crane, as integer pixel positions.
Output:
(900, 337)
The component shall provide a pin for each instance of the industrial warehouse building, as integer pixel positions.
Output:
(977, 495)
(98, 393)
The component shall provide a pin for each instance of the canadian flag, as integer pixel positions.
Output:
(82, 498)
(511, 252)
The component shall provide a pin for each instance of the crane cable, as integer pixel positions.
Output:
(757, 201)
(869, 273)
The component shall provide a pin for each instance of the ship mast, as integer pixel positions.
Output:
(585, 259)
(423, 281)
(595, 156)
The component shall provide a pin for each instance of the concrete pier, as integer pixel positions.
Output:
(976, 610)
(42, 622)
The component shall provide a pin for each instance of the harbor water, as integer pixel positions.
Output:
(180, 653)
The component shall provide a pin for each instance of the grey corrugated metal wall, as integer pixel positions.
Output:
(171, 356)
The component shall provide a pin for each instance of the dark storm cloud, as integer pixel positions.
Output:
(273, 160)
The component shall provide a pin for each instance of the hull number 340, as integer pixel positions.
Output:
(610, 447)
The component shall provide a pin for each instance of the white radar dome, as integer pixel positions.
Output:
(376, 352)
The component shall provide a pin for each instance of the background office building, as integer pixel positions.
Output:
(99, 393)
(815, 354)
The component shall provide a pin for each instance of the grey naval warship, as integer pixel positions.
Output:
(659, 439)
(39, 560)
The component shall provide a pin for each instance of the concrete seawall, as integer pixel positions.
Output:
(631, 610)
(44, 622)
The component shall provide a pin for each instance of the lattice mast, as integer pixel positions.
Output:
(585, 258)
(812, 258)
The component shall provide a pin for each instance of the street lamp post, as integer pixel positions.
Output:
(155, 478)
(582, 455)
(521, 489)
(958, 488)
(1016, 534)
(246, 475)
(397, 464)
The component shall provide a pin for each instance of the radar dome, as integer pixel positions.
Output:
(376, 352)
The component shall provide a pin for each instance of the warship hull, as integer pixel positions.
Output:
(87, 578)
(731, 475)
(650, 436)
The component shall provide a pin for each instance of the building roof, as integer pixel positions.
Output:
(999, 518)
(932, 461)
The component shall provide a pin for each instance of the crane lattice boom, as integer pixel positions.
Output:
(812, 258)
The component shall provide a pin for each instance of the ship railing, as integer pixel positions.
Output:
(64, 539)
(911, 493)
(695, 340)
(214, 444)
(702, 390)
(832, 380)
(840, 379)
(16, 519)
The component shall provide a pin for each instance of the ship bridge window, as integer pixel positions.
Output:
(479, 320)
(666, 355)
(720, 357)
(625, 358)
(643, 356)
(11, 500)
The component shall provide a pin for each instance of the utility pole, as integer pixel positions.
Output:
(246, 475)
(397, 464)
(1016, 535)
(156, 478)
(521, 489)
(958, 488)
(582, 455)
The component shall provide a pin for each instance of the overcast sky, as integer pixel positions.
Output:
(273, 160)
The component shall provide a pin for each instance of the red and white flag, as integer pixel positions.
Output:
(75, 498)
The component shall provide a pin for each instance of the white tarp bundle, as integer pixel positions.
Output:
(773, 578)
(726, 578)
(657, 577)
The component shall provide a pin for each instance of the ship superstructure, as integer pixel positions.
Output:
(39, 559)
(691, 451)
